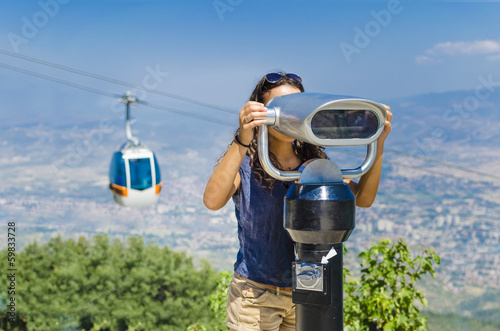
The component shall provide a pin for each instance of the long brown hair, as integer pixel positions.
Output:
(305, 151)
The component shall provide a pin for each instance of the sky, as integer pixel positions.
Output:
(216, 50)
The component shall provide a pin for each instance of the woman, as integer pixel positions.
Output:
(260, 291)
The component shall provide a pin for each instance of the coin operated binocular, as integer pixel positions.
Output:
(319, 210)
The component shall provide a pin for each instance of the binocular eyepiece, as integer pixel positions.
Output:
(323, 120)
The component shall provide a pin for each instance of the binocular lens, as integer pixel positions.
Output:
(344, 124)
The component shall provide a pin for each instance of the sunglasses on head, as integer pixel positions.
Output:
(275, 77)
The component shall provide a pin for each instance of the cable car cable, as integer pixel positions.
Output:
(148, 104)
(60, 81)
(119, 82)
(112, 95)
(484, 183)
(426, 170)
(449, 165)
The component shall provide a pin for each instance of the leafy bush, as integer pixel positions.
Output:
(384, 298)
(218, 299)
(68, 285)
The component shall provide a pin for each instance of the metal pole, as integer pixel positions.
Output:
(128, 99)
(313, 315)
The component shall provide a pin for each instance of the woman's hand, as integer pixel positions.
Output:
(248, 114)
(366, 189)
(387, 126)
(226, 179)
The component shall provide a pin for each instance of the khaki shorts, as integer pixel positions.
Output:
(254, 306)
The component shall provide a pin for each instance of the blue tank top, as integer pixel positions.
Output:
(266, 249)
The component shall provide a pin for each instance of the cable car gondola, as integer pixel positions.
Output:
(134, 173)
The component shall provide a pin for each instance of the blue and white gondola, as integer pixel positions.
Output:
(134, 173)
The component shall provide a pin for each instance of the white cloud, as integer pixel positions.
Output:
(462, 47)
(423, 59)
(478, 47)
(426, 59)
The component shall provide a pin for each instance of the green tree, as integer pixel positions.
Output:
(384, 298)
(218, 300)
(68, 285)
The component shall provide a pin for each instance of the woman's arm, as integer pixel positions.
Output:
(366, 189)
(225, 179)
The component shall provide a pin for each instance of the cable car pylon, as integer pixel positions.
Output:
(134, 173)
